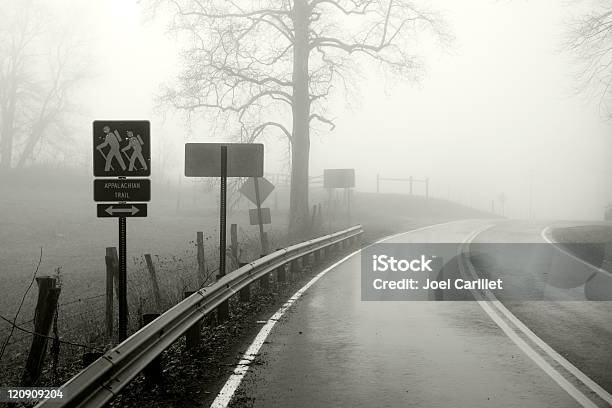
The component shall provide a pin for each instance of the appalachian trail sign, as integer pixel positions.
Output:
(122, 149)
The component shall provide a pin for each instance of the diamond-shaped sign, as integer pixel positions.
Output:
(265, 188)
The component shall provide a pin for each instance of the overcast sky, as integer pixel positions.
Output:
(492, 114)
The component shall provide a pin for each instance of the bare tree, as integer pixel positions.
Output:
(40, 64)
(590, 39)
(271, 66)
(17, 35)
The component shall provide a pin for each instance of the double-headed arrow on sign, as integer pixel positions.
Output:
(122, 210)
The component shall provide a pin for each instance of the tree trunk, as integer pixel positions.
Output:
(300, 144)
(7, 130)
(28, 150)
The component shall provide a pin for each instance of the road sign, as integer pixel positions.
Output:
(122, 148)
(266, 218)
(243, 159)
(122, 190)
(248, 189)
(338, 178)
(121, 210)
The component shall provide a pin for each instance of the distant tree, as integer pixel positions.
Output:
(40, 64)
(590, 40)
(271, 66)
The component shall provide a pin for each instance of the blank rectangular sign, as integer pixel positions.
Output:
(338, 178)
(243, 159)
(266, 218)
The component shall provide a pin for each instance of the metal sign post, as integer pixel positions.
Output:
(262, 236)
(122, 149)
(257, 189)
(223, 213)
(123, 312)
(223, 160)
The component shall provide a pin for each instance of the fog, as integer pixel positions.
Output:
(494, 112)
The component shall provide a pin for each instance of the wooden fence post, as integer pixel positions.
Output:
(201, 259)
(234, 244)
(156, 292)
(112, 252)
(192, 336)
(320, 222)
(109, 295)
(313, 220)
(153, 371)
(48, 295)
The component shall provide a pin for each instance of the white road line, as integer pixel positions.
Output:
(527, 349)
(231, 385)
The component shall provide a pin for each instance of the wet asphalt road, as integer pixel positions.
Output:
(333, 350)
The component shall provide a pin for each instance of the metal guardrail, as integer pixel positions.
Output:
(104, 378)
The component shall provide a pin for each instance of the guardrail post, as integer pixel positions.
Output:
(223, 312)
(153, 371)
(281, 276)
(192, 336)
(294, 267)
(245, 293)
(264, 281)
(90, 357)
(317, 257)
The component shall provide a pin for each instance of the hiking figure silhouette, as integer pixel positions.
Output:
(112, 140)
(135, 143)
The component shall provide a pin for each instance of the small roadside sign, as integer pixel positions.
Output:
(243, 159)
(122, 190)
(266, 218)
(248, 189)
(339, 178)
(121, 210)
(224, 160)
(122, 148)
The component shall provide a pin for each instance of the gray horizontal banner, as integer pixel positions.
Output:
(441, 271)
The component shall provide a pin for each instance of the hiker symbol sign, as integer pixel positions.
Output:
(122, 148)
